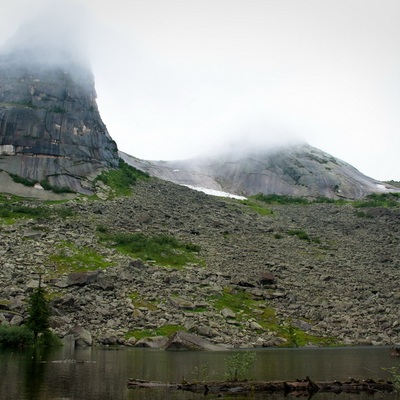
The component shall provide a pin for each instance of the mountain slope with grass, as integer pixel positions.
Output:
(267, 271)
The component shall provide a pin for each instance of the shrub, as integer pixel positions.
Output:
(46, 185)
(394, 376)
(23, 181)
(300, 234)
(238, 366)
(16, 336)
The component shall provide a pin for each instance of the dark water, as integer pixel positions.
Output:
(104, 372)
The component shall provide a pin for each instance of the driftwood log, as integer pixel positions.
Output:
(298, 386)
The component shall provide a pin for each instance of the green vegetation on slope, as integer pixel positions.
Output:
(290, 200)
(71, 258)
(137, 301)
(379, 200)
(37, 329)
(247, 308)
(165, 330)
(13, 207)
(302, 235)
(46, 185)
(122, 178)
(163, 249)
(258, 207)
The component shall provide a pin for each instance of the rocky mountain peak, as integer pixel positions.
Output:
(50, 125)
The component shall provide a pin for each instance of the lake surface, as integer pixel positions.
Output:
(102, 373)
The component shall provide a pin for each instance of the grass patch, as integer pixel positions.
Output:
(13, 208)
(122, 178)
(244, 306)
(138, 302)
(257, 207)
(71, 258)
(378, 200)
(278, 199)
(362, 214)
(238, 301)
(303, 235)
(165, 330)
(163, 249)
(298, 338)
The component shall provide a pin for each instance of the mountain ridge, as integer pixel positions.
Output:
(299, 170)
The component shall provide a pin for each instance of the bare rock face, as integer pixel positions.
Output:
(50, 126)
(299, 170)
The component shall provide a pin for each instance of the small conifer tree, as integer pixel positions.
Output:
(39, 312)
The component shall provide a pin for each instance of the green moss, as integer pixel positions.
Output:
(71, 258)
(163, 249)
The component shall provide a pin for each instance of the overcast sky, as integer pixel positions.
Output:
(177, 78)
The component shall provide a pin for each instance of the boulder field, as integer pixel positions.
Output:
(314, 274)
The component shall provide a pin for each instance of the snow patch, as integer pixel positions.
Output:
(382, 188)
(217, 193)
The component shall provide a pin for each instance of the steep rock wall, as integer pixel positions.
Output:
(50, 126)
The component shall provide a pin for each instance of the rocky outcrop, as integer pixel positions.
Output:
(300, 170)
(50, 126)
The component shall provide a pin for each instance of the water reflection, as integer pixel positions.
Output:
(86, 374)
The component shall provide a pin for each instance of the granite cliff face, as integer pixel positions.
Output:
(50, 126)
(299, 170)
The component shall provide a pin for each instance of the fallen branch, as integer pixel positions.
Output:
(304, 385)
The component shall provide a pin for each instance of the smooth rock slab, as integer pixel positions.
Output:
(187, 341)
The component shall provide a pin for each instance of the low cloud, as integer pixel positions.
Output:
(56, 35)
